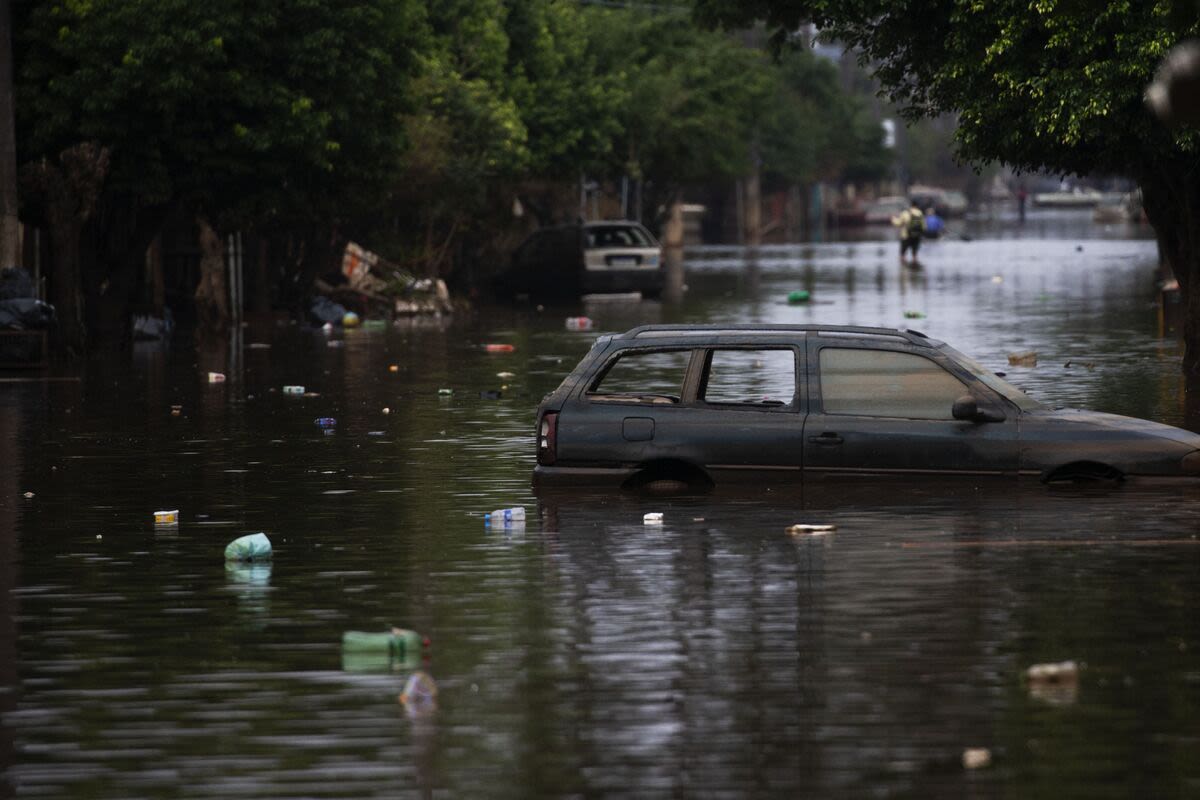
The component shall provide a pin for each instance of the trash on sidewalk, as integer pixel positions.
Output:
(811, 530)
(293, 390)
(498, 348)
(254, 547)
(166, 517)
(420, 694)
(216, 377)
(1026, 358)
(976, 758)
(396, 649)
(798, 296)
(652, 518)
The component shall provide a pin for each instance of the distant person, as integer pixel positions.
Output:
(1022, 196)
(934, 226)
(911, 223)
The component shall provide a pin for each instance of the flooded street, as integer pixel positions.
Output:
(588, 654)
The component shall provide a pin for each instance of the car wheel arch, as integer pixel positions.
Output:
(669, 474)
(1075, 471)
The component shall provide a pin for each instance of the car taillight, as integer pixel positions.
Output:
(547, 450)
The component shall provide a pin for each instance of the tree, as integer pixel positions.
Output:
(1053, 85)
(249, 113)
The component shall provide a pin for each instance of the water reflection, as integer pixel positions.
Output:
(590, 654)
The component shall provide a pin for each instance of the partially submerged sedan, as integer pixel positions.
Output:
(706, 404)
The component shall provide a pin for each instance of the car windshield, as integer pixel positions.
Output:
(993, 381)
(617, 236)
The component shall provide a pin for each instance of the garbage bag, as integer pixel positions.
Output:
(325, 310)
(25, 313)
(255, 547)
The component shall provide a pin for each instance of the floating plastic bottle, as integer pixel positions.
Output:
(396, 649)
(325, 422)
(165, 518)
(420, 694)
(255, 547)
(505, 517)
(798, 296)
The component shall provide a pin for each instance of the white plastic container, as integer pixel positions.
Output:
(653, 518)
(505, 517)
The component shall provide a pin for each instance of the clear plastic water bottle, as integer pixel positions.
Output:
(505, 516)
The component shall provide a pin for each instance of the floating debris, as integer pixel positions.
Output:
(216, 377)
(579, 324)
(653, 518)
(293, 390)
(166, 517)
(1026, 358)
(811, 530)
(420, 694)
(914, 315)
(255, 547)
(976, 758)
(498, 348)
(797, 297)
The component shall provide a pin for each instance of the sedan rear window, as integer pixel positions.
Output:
(617, 236)
(886, 383)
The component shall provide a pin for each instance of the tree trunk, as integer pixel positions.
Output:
(9, 224)
(1171, 199)
(212, 295)
(69, 192)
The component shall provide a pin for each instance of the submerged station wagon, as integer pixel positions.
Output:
(706, 404)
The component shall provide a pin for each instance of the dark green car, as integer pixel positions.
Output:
(710, 404)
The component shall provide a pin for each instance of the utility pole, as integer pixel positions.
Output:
(9, 224)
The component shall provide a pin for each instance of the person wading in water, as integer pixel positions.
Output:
(912, 226)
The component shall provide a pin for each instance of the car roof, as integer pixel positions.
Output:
(659, 334)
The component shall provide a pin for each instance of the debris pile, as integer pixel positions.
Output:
(369, 285)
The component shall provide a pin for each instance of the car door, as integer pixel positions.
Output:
(745, 418)
(885, 409)
(733, 411)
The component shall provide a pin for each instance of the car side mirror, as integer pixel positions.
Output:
(967, 408)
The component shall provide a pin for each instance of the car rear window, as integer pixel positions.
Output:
(750, 377)
(617, 236)
(886, 383)
(644, 376)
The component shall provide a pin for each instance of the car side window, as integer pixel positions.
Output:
(886, 383)
(643, 377)
(750, 377)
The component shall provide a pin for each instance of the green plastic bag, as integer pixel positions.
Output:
(255, 547)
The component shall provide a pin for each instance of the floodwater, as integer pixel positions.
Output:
(587, 654)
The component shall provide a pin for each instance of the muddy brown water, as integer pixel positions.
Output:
(587, 654)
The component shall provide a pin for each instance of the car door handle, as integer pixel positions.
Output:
(826, 438)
